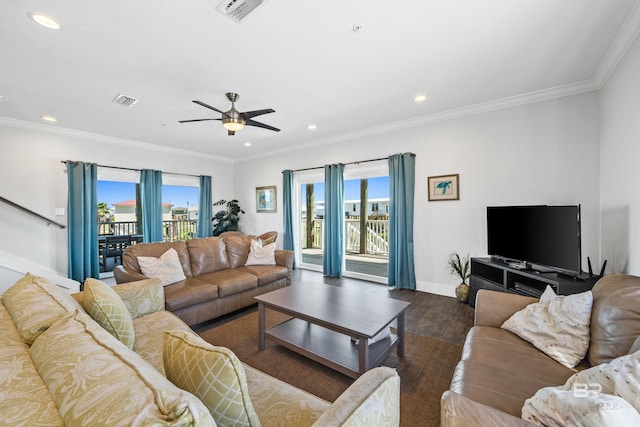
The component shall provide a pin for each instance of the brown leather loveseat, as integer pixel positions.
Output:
(217, 280)
(499, 371)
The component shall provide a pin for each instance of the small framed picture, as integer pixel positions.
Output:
(444, 187)
(266, 199)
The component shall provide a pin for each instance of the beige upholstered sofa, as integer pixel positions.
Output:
(216, 279)
(62, 365)
(499, 371)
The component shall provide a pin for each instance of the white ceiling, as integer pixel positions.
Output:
(300, 57)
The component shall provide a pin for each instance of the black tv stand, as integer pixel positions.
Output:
(487, 273)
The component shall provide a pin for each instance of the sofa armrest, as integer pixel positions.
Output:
(122, 275)
(142, 297)
(372, 400)
(459, 411)
(493, 308)
(284, 258)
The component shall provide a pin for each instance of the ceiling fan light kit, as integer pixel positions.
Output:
(234, 120)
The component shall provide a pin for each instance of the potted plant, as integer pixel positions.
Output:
(461, 268)
(226, 220)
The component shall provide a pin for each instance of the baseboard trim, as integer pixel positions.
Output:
(436, 288)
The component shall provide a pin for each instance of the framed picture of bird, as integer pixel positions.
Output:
(444, 187)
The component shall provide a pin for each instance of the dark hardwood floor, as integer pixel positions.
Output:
(434, 316)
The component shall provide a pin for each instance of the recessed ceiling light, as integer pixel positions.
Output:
(45, 21)
(49, 119)
(420, 98)
(312, 127)
(247, 144)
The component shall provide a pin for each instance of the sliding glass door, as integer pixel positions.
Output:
(366, 221)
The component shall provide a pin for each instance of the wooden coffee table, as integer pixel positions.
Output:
(326, 318)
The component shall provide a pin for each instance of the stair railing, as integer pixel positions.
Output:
(30, 212)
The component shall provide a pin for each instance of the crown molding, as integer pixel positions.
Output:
(499, 104)
(55, 130)
(626, 36)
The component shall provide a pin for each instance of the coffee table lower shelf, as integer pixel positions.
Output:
(330, 348)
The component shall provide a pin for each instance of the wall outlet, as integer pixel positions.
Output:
(59, 211)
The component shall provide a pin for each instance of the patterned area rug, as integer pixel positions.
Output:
(425, 371)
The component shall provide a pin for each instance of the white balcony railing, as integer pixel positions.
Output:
(377, 236)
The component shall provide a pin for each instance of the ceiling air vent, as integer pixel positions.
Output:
(127, 101)
(238, 10)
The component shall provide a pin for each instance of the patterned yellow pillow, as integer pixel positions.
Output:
(34, 304)
(106, 307)
(213, 374)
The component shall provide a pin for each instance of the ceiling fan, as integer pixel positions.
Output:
(233, 120)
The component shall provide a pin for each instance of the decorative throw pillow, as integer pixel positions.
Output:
(34, 304)
(553, 407)
(557, 325)
(605, 394)
(261, 255)
(105, 306)
(167, 268)
(213, 374)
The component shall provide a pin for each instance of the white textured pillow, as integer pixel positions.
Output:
(167, 268)
(557, 325)
(261, 255)
(553, 407)
(604, 395)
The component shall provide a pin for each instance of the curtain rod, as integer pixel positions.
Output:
(350, 163)
(134, 170)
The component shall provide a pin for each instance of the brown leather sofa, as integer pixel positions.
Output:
(499, 371)
(217, 280)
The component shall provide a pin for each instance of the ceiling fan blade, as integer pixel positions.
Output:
(209, 107)
(196, 120)
(260, 125)
(249, 114)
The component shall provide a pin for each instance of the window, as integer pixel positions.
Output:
(119, 211)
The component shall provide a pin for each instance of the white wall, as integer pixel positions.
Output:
(619, 171)
(32, 175)
(542, 153)
(546, 152)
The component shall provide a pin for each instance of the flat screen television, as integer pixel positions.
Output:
(544, 238)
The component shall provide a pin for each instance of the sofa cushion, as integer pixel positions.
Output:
(188, 292)
(238, 246)
(142, 297)
(24, 398)
(231, 282)
(207, 255)
(150, 335)
(155, 249)
(558, 325)
(501, 370)
(488, 346)
(34, 291)
(95, 379)
(166, 267)
(615, 318)
(213, 374)
(105, 306)
(279, 403)
(261, 255)
(266, 273)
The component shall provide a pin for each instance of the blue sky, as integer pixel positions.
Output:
(112, 192)
(378, 189)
